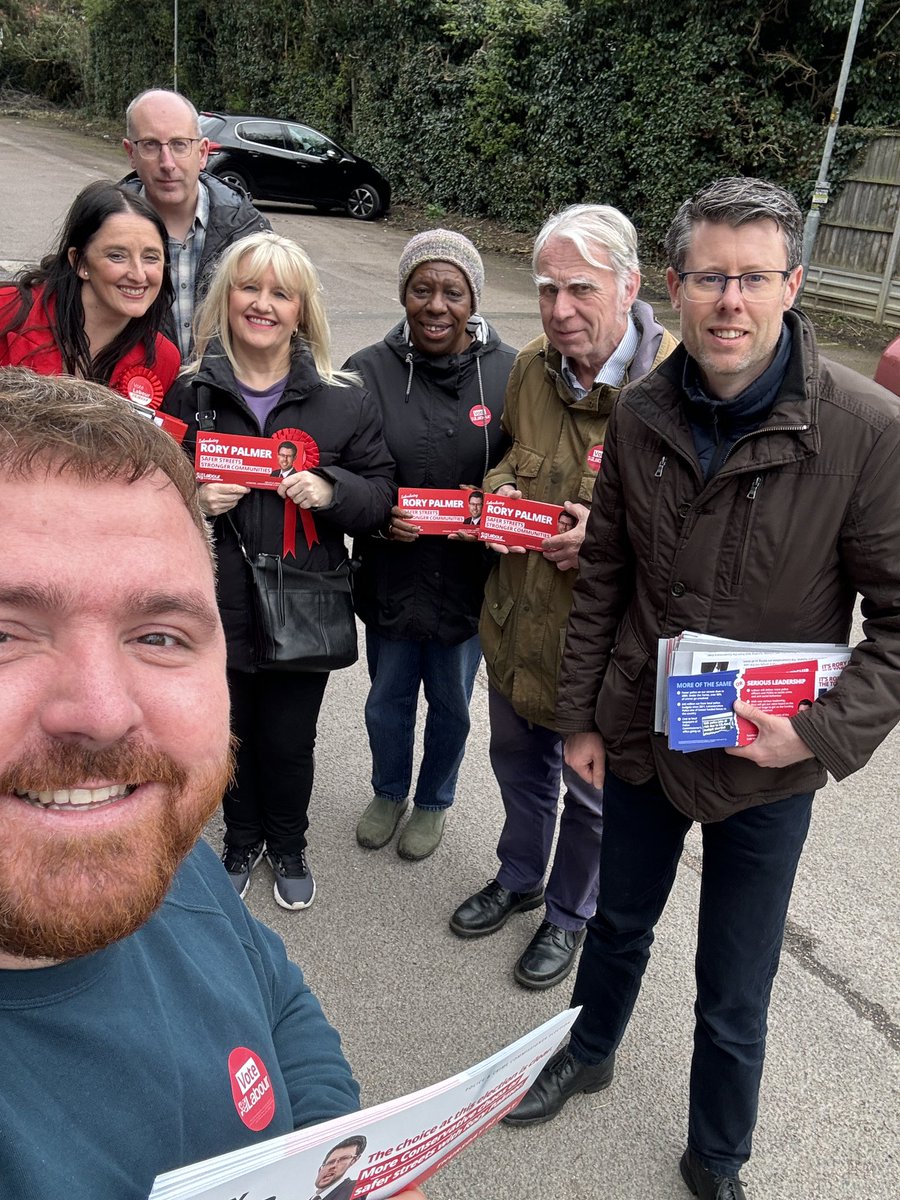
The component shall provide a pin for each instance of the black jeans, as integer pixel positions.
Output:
(274, 715)
(749, 863)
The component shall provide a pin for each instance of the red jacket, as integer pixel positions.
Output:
(32, 345)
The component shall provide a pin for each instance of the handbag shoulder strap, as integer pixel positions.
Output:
(205, 416)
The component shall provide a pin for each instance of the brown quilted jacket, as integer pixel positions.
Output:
(803, 515)
(527, 598)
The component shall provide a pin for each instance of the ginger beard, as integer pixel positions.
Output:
(67, 895)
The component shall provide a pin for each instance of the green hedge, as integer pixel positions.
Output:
(510, 108)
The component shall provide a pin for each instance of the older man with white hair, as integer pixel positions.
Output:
(597, 337)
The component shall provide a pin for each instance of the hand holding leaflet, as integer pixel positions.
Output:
(382, 1152)
(401, 527)
(564, 546)
(507, 489)
(776, 744)
(525, 524)
(218, 498)
(306, 489)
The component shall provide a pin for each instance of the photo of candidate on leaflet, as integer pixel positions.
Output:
(475, 502)
(330, 1181)
(287, 455)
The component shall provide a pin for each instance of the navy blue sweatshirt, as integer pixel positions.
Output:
(153, 1053)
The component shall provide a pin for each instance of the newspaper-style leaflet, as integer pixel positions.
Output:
(407, 1140)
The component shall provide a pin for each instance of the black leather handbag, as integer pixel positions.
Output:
(304, 619)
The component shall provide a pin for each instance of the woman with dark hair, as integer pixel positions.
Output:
(95, 305)
(264, 370)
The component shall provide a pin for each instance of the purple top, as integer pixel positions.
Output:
(262, 403)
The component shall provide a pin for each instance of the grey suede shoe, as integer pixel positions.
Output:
(379, 822)
(422, 834)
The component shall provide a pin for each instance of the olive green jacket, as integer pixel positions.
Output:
(557, 442)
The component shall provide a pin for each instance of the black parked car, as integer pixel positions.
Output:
(281, 160)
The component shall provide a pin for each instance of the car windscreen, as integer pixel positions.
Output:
(211, 126)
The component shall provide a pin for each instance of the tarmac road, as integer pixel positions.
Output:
(414, 1003)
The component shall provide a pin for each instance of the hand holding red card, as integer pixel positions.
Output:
(511, 521)
(437, 510)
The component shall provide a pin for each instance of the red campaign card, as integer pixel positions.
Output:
(779, 690)
(438, 510)
(173, 426)
(250, 461)
(518, 522)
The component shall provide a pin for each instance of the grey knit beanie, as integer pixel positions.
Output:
(442, 245)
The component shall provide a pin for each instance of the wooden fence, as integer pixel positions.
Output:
(855, 266)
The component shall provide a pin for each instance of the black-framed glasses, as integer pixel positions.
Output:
(178, 147)
(754, 285)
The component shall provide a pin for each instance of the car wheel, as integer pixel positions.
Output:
(364, 203)
(235, 179)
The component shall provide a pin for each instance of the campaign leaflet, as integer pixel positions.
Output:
(173, 426)
(250, 461)
(437, 510)
(405, 1141)
(512, 522)
(701, 715)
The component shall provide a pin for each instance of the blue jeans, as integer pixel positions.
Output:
(749, 863)
(397, 669)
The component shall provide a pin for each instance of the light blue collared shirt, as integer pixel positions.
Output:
(613, 370)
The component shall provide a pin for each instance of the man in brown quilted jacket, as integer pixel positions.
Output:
(749, 489)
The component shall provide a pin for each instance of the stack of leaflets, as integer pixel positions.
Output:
(406, 1140)
(699, 677)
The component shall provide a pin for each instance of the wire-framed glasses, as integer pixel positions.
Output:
(178, 147)
(754, 285)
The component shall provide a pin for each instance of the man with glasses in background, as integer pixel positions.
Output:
(202, 214)
(748, 489)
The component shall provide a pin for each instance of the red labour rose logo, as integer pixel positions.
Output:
(251, 1088)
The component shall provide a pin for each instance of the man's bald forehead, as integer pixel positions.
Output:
(155, 99)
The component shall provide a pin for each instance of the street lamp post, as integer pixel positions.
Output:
(820, 192)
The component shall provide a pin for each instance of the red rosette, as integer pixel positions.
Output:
(307, 450)
(140, 385)
(307, 457)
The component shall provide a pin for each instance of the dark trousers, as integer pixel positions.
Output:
(274, 715)
(528, 763)
(749, 863)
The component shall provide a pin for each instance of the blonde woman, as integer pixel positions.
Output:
(263, 369)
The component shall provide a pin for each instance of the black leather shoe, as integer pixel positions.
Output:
(707, 1184)
(562, 1077)
(549, 957)
(490, 909)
